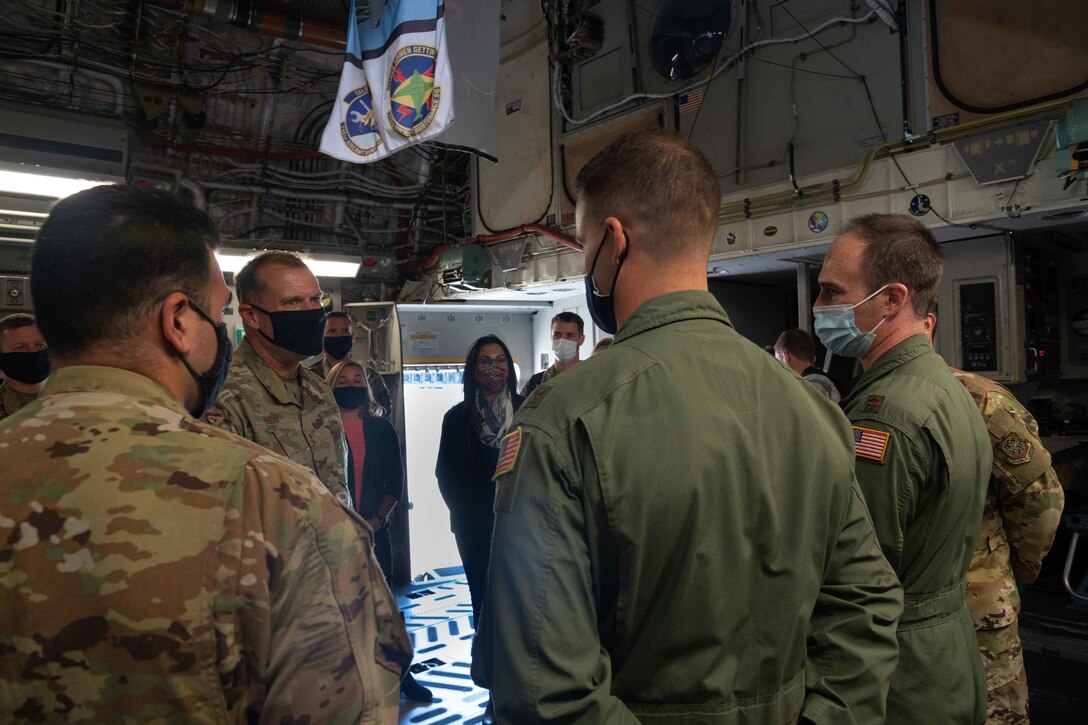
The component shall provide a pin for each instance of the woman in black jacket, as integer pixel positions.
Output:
(374, 444)
(374, 448)
(472, 432)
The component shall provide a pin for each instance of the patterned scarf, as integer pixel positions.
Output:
(492, 421)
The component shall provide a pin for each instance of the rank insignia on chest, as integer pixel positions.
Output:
(535, 397)
(1016, 449)
(872, 445)
(874, 402)
(508, 453)
(271, 419)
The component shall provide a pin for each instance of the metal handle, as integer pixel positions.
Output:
(1069, 567)
(1033, 362)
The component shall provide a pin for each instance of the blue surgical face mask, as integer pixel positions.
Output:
(837, 330)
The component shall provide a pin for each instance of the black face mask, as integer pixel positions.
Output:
(602, 308)
(338, 346)
(299, 331)
(26, 367)
(350, 398)
(211, 381)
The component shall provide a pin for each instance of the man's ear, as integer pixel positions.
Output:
(619, 238)
(248, 313)
(897, 296)
(176, 324)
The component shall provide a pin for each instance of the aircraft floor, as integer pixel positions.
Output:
(438, 615)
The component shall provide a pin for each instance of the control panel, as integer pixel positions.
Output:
(978, 324)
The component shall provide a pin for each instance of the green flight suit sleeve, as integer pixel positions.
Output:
(852, 648)
(537, 647)
(892, 487)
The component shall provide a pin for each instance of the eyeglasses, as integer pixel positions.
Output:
(486, 363)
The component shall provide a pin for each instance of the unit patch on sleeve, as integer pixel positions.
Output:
(1016, 449)
(870, 444)
(508, 453)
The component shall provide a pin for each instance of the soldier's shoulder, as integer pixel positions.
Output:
(233, 455)
(560, 401)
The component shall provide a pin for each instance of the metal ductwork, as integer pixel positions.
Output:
(249, 14)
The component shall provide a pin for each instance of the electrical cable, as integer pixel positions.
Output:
(557, 96)
(879, 125)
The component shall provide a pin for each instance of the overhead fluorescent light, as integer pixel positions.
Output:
(232, 260)
(55, 187)
(332, 268)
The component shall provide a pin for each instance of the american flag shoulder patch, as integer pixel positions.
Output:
(871, 444)
(508, 453)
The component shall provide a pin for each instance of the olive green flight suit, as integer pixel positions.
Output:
(923, 461)
(679, 538)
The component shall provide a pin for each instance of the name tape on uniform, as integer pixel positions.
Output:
(871, 444)
(508, 454)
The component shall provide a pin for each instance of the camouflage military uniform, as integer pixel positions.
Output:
(300, 422)
(11, 400)
(319, 366)
(1023, 509)
(154, 568)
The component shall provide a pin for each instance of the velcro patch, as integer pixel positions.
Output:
(508, 453)
(872, 445)
(1017, 450)
(536, 396)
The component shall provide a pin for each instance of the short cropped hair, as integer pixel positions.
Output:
(337, 315)
(661, 182)
(570, 317)
(250, 285)
(797, 343)
(15, 321)
(899, 248)
(107, 256)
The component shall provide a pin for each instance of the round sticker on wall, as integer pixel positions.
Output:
(770, 231)
(817, 222)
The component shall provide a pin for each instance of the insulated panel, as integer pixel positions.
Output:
(990, 56)
(518, 189)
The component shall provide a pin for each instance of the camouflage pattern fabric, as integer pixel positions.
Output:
(301, 423)
(824, 385)
(154, 568)
(1024, 504)
(1007, 695)
(11, 401)
(319, 366)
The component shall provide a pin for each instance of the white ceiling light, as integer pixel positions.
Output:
(56, 187)
(232, 260)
